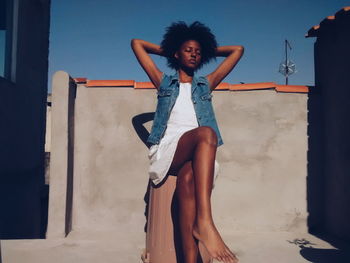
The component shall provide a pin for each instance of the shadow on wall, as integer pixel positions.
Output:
(315, 157)
(317, 190)
(138, 122)
(329, 129)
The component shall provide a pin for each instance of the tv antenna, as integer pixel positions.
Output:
(287, 67)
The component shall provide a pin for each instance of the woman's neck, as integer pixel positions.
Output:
(185, 75)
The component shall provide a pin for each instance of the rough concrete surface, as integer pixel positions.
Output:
(262, 181)
(106, 247)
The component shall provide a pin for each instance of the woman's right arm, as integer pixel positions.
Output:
(141, 49)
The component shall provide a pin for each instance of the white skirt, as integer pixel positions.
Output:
(161, 156)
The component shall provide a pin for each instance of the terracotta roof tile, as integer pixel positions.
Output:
(144, 85)
(292, 88)
(80, 80)
(316, 30)
(110, 83)
(253, 86)
(222, 86)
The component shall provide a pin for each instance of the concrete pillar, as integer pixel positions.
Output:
(61, 167)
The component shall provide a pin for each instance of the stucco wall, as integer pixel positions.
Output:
(262, 182)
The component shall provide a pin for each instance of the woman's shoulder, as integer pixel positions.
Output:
(167, 80)
(202, 79)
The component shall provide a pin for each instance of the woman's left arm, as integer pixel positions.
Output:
(233, 55)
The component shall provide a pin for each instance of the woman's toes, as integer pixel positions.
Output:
(218, 257)
(232, 255)
(228, 257)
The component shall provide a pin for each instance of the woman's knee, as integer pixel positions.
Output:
(188, 178)
(185, 176)
(208, 135)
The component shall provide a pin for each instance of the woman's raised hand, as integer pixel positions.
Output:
(142, 49)
(233, 54)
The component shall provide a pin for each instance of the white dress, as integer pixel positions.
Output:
(182, 119)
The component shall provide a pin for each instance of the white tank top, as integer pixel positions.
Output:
(183, 114)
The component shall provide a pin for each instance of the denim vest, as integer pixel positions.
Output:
(167, 94)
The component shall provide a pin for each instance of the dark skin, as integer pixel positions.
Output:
(194, 158)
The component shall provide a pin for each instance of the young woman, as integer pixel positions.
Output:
(185, 135)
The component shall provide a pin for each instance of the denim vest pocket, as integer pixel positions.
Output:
(206, 96)
(164, 93)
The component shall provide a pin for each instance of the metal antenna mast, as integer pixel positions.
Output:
(287, 67)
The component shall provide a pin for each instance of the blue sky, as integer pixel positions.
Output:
(91, 38)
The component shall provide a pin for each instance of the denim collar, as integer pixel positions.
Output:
(195, 80)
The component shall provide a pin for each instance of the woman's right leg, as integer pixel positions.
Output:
(185, 194)
(199, 146)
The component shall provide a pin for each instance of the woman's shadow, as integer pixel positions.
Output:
(138, 122)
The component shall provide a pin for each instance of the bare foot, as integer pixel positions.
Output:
(211, 239)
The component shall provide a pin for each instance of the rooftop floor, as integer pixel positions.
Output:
(251, 247)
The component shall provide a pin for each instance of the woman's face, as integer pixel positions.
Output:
(189, 54)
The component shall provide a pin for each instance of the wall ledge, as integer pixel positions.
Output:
(224, 86)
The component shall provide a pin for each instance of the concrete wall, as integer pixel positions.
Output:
(332, 79)
(23, 114)
(261, 186)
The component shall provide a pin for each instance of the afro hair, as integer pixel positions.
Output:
(179, 32)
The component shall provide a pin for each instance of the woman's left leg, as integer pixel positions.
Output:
(199, 146)
(187, 211)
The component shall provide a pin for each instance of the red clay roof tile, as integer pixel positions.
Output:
(80, 80)
(144, 85)
(253, 86)
(328, 21)
(222, 86)
(110, 83)
(292, 88)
